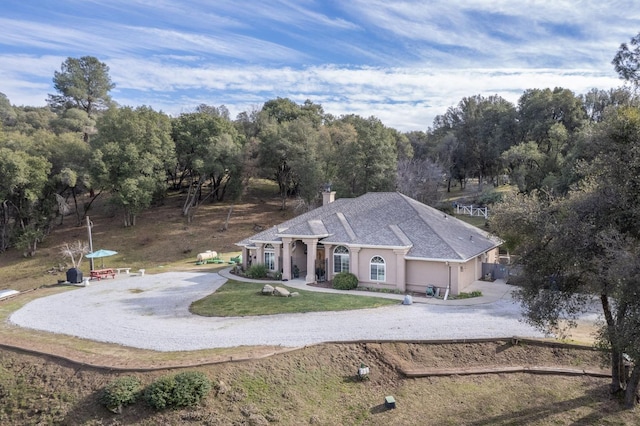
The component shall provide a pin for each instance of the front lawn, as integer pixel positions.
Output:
(237, 298)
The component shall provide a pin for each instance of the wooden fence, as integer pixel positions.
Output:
(472, 211)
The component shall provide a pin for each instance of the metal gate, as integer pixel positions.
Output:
(495, 271)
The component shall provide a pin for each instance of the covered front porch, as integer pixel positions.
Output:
(295, 258)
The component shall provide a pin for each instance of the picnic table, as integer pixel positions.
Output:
(102, 273)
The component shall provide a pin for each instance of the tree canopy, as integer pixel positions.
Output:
(582, 247)
(627, 61)
(131, 156)
(82, 83)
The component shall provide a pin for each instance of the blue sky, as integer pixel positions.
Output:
(402, 61)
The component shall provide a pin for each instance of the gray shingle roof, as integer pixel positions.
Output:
(386, 219)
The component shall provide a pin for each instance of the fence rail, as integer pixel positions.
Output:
(473, 211)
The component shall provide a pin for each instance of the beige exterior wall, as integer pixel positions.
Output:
(364, 264)
(493, 256)
(421, 273)
(400, 274)
(468, 273)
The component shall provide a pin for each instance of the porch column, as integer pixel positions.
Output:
(245, 257)
(286, 258)
(354, 265)
(260, 254)
(401, 270)
(311, 259)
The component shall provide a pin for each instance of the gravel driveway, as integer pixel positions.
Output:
(152, 312)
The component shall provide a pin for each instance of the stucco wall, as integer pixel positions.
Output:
(493, 256)
(468, 273)
(421, 274)
(364, 264)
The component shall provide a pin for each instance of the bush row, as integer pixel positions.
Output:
(181, 390)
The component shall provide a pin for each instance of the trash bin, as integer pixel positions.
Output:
(431, 292)
(74, 275)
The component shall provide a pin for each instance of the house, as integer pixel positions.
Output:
(388, 240)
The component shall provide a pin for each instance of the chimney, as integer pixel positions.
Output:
(328, 196)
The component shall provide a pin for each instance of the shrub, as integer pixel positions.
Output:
(191, 388)
(259, 270)
(488, 197)
(159, 393)
(120, 392)
(463, 295)
(345, 281)
(182, 390)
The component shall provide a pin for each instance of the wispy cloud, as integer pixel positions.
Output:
(402, 61)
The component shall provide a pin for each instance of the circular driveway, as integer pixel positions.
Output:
(152, 312)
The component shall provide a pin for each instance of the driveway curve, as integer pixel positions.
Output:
(152, 312)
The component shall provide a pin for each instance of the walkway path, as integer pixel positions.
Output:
(491, 291)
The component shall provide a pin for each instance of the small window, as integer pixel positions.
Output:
(340, 259)
(377, 269)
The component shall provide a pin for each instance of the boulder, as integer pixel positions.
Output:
(267, 289)
(282, 292)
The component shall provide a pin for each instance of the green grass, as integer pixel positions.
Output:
(464, 295)
(477, 221)
(244, 299)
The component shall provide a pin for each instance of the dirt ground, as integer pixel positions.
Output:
(286, 388)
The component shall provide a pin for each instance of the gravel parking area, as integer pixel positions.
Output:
(152, 312)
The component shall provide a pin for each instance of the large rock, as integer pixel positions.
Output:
(282, 292)
(267, 289)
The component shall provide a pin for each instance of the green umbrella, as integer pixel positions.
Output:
(101, 254)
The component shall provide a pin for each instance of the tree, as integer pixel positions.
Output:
(484, 128)
(84, 84)
(627, 61)
(284, 109)
(288, 152)
(597, 101)
(131, 156)
(552, 119)
(584, 246)
(370, 162)
(75, 251)
(540, 109)
(32, 119)
(24, 216)
(419, 179)
(209, 152)
(7, 114)
(423, 144)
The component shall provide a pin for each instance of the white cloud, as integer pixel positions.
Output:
(402, 61)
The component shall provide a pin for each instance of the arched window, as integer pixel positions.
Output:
(269, 257)
(377, 269)
(340, 259)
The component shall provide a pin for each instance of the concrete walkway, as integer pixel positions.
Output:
(491, 291)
